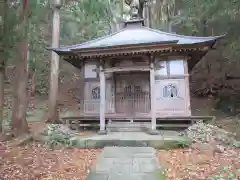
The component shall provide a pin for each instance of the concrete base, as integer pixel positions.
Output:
(132, 139)
(102, 132)
(153, 132)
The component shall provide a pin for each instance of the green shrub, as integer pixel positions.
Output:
(236, 144)
(225, 174)
(161, 174)
(58, 138)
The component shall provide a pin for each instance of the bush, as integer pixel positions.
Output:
(59, 135)
(205, 133)
(225, 174)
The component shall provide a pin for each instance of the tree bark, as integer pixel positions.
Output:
(3, 9)
(2, 70)
(53, 116)
(33, 88)
(149, 16)
(19, 123)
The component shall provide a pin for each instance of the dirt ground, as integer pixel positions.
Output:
(34, 162)
(183, 164)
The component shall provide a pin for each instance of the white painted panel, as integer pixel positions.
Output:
(89, 71)
(176, 67)
(170, 105)
(161, 68)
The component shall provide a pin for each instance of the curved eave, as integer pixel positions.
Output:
(196, 50)
(72, 50)
(141, 49)
(196, 57)
(63, 51)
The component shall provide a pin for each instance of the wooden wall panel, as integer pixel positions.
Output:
(170, 103)
(92, 100)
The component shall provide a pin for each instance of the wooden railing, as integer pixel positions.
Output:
(93, 106)
(133, 102)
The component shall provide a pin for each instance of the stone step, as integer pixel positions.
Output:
(136, 127)
(127, 126)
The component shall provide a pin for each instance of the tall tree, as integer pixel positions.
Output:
(3, 11)
(53, 94)
(19, 123)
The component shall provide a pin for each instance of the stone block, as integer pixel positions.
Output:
(144, 165)
(122, 168)
(80, 143)
(103, 165)
(97, 176)
(125, 176)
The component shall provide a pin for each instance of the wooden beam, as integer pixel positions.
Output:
(153, 97)
(102, 99)
(107, 53)
(139, 49)
(160, 77)
(126, 69)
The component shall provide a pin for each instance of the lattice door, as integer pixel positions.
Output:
(132, 93)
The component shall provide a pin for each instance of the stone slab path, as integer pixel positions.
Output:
(126, 163)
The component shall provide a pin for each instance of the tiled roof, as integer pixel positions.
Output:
(137, 35)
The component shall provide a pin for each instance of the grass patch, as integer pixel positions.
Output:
(35, 115)
(172, 143)
(160, 174)
(236, 144)
(225, 174)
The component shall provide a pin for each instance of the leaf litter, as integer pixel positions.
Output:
(189, 164)
(36, 162)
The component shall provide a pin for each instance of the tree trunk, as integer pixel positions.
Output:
(149, 16)
(33, 89)
(53, 116)
(121, 9)
(2, 70)
(19, 123)
(204, 25)
(3, 9)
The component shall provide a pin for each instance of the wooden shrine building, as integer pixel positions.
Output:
(137, 72)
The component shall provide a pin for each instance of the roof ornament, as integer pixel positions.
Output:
(136, 6)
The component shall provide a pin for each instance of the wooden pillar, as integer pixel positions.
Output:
(153, 97)
(82, 74)
(102, 99)
(2, 75)
(187, 93)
